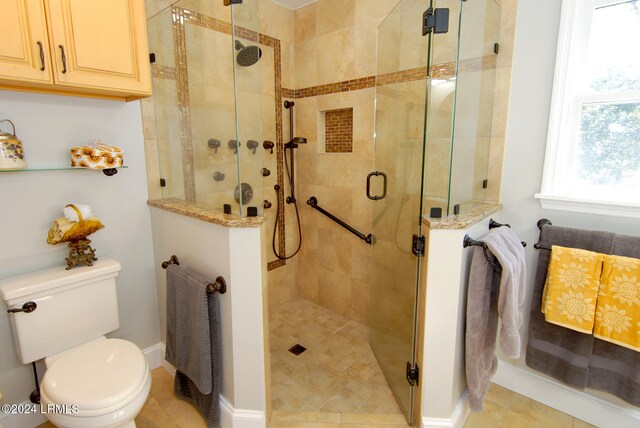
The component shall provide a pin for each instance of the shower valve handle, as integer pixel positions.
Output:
(252, 145)
(234, 144)
(268, 145)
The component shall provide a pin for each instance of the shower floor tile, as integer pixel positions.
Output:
(338, 372)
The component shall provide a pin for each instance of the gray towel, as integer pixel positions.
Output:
(616, 369)
(482, 324)
(507, 248)
(553, 350)
(194, 341)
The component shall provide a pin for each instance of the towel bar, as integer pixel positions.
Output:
(542, 222)
(219, 286)
(469, 242)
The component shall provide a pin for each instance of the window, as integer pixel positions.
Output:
(592, 161)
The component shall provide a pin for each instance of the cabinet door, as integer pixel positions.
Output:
(24, 46)
(100, 45)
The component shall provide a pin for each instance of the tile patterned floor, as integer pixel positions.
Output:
(336, 383)
(506, 409)
(337, 374)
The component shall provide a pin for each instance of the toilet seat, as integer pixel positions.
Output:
(101, 378)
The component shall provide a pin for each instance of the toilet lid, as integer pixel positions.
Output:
(98, 375)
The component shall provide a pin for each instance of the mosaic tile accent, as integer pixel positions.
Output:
(163, 72)
(275, 264)
(338, 130)
(182, 88)
(337, 374)
(437, 71)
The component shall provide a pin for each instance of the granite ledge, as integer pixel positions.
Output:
(191, 209)
(471, 214)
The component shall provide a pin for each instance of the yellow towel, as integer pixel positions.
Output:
(571, 289)
(618, 308)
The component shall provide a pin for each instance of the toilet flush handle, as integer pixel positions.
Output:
(27, 307)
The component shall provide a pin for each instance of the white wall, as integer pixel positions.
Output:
(443, 372)
(48, 126)
(533, 68)
(235, 254)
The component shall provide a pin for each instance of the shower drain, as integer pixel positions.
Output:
(297, 349)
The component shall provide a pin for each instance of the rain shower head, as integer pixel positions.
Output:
(248, 55)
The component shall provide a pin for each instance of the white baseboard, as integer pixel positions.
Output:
(240, 418)
(229, 416)
(576, 403)
(154, 355)
(458, 417)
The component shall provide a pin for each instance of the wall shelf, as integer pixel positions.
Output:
(106, 171)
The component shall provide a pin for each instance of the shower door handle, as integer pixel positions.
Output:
(384, 185)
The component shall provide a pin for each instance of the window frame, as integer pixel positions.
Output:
(564, 118)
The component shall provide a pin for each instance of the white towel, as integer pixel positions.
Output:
(71, 215)
(505, 245)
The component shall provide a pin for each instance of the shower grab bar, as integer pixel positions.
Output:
(219, 286)
(313, 202)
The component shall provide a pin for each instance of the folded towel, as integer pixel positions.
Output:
(612, 368)
(618, 309)
(507, 248)
(482, 325)
(553, 350)
(571, 289)
(71, 214)
(194, 341)
(188, 337)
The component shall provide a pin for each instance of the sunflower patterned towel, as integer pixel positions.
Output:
(618, 308)
(571, 289)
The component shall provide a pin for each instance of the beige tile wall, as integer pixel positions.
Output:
(334, 41)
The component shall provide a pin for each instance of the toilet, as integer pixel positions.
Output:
(100, 382)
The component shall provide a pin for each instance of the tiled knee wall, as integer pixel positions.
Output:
(339, 130)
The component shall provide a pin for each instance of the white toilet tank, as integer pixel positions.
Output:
(73, 307)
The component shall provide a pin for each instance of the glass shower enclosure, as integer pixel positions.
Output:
(434, 102)
(208, 99)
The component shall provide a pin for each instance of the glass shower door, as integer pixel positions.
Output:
(401, 98)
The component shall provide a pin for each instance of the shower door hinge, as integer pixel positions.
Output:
(413, 374)
(418, 246)
(436, 20)
(152, 57)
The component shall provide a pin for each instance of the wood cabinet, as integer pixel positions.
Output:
(76, 47)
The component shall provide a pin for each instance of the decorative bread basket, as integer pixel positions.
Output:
(97, 156)
(75, 233)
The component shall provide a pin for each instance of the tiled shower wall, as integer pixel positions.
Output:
(335, 68)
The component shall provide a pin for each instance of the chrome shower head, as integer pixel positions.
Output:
(248, 55)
